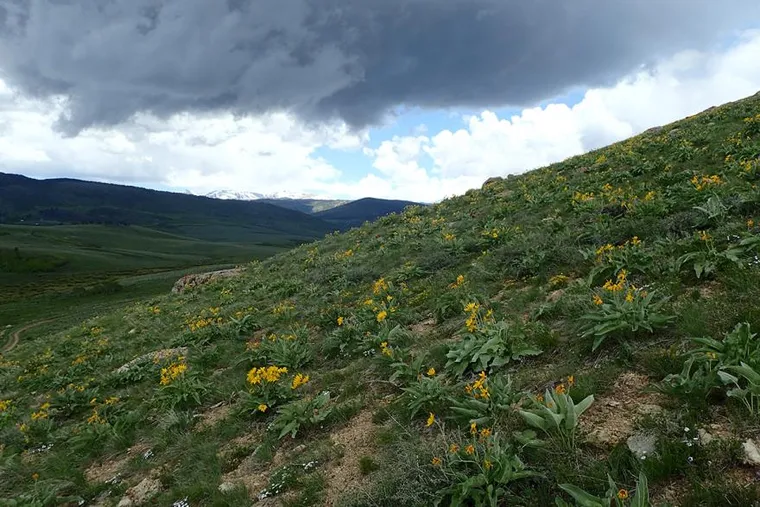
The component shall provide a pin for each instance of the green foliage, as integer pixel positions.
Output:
(556, 414)
(482, 477)
(489, 347)
(304, 413)
(291, 350)
(622, 310)
(613, 496)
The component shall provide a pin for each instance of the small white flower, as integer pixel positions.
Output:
(690, 459)
(686, 430)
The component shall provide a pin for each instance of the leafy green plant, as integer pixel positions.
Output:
(290, 350)
(613, 497)
(488, 347)
(622, 310)
(556, 414)
(425, 394)
(481, 473)
(486, 401)
(746, 385)
(302, 414)
(706, 262)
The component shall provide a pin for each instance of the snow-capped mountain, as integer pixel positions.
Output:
(252, 196)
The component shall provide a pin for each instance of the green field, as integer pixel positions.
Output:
(80, 270)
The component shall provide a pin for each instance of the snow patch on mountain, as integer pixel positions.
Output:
(253, 196)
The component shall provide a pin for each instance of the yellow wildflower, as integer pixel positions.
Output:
(470, 449)
(704, 236)
(35, 476)
(560, 389)
(598, 300)
(382, 315)
(571, 380)
(340, 321)
(299, 380)
(262, 407)
(431, 372)
(473, 428)
(487, 465)
(750, 223)
(622, 494)
(111, 400)
(629, 297)
(430, 420)
(453, 448)
(436, 461)
(268, 374)
(485, 433)
(172, 372)
(5, 405)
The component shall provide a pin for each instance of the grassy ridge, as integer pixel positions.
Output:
(558, 335)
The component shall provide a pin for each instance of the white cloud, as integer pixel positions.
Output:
(491, 146)
(276, 152)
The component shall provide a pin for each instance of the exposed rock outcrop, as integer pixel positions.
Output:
(193, 280)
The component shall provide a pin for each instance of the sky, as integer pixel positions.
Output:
(407, 99)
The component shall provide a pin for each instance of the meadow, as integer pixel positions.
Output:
(582, 334)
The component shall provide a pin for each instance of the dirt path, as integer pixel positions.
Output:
(13, 340)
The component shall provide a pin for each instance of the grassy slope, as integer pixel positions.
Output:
(74, 268)
(355, 213)
(526, 249)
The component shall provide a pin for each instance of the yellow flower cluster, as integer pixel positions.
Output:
(299, 380)
(95, 418)
(582, 197)
(344, 255)
(283, 307)
(478, 389)
(700, 183)
(605, 252)
(381, 316)
(268, 374)
(458, 283)
(473, 309)
(42, 413)
(202, 322)
(618, 286)
(155, 310)
(704, 236)
(447, 236)
(386, 350)
(379, 286)
(491, 233)
(340, 321)
(5, 405)
(170, 373)
(558, 280)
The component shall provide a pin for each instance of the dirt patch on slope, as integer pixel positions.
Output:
(611, 418)
(356, 440)
(213, 416)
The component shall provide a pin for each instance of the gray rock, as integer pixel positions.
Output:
(642, 444)
(138, 495)
(226, 487)
(194, 280)
(704, 437)
(490, 181)
(751, 453)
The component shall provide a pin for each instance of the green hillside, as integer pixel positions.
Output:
(355, 213)
(582, 334)
(309, 206)
(66, 201)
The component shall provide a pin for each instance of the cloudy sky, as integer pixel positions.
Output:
(415, 99)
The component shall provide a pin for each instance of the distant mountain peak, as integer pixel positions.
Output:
(252, 196)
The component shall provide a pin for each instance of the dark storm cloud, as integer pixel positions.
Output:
(325, 59)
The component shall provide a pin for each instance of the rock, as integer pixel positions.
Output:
(642, 444)
(704, 437)
(751, 453)
(151, 356)
(299, 449)
(226, 487)
(194, 280)
(653, 130)
(674, 132)
(138, 495)
(490, 181)
(555, 296)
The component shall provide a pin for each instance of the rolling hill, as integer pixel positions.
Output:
(67, 201)
(584, 334)
(355, 213)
